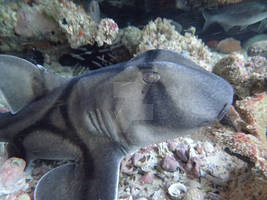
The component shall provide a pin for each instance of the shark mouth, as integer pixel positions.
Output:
(223, 111)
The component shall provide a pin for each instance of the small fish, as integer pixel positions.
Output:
(241, 14)
(97, 118)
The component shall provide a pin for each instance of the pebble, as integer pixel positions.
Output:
(138, 159)
(229, 45)
(208, 147)
(182, 152)
(23, 197)
(193, 165)
(147, 178)
(169, 164)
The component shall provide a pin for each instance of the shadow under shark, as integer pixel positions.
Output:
(97, 118)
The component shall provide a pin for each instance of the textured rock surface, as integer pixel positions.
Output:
(247, 76)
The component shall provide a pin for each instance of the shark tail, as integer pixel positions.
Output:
(22, 82)
(208, 19)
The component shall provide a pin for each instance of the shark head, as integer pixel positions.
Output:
(161, 94)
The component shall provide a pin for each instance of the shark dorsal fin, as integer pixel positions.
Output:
(21, 82)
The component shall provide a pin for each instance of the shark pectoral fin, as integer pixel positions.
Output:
(22, 82)
(61, 183)
(105, 178)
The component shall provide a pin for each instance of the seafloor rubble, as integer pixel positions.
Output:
(223, 161)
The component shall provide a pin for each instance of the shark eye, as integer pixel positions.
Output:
(151, 77)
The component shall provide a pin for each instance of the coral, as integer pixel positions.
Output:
(245, 146)
(12, 176)
(246, 76)
(160, 34)
(254, 112)
(258, 48)
(54, 21)
(31, 22)
(8, 19)
(232, 68)
(107, 32)
(80, 28)
(131, 37)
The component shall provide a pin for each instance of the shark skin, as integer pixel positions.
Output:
(95, 119)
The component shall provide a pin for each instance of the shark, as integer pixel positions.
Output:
(240, 14)
(95, 119)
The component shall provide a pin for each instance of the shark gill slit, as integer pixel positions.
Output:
(101, 122)
(110, 125)
(93, 119)
(88, 166)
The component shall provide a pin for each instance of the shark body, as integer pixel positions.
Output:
(97, 118)
(240, 14)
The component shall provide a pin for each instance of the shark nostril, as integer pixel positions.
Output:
(222, 112)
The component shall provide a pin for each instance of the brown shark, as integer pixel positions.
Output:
(95, 119)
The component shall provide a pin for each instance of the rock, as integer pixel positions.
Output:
(147, 178)
(232, 68)
(208, 147)
(172, 145)
(23, 197)
(248, 186)
(169, 164)
(193, 166)
(194, 194)
(138, 159)
(229, 45)
(129, 198)
(253, 111)
(31, 22)
(258, 49)
(182, 152)
(246, 147)
(12, 177)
